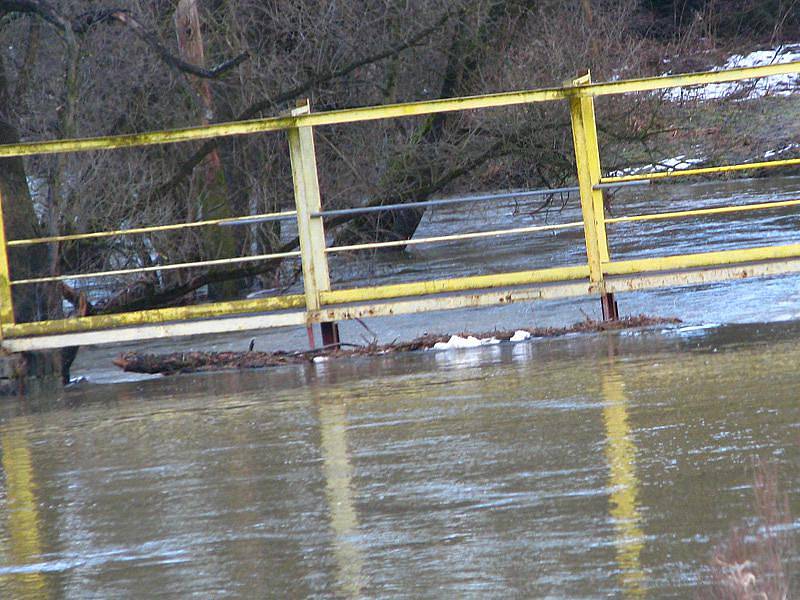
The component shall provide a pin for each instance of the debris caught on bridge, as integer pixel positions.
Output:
(193, 362)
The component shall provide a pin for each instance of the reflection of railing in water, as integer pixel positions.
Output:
(339, 492)
(621, 455)
(22, 517)
(600, 275)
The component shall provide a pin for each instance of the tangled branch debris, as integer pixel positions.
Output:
(193, 362)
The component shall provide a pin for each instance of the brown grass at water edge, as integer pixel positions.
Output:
(751, 564)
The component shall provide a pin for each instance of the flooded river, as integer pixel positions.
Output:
(587, 466)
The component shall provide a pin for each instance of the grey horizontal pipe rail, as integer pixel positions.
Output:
(443, 202)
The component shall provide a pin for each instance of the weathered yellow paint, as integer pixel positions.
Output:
(348, 115)
(770, 164)
(592, 157)
(455, 237)
(6, 302)
(651, 84)
(595, 173)
(456, 284)
(620, 453)
(720, 210)
(156, 331)
(391, 111)
(156, 316)
(496, 297)
(584, 158)
(186, 265)
(702, 259)
(310, 230)
(629, 283)
(139, 230)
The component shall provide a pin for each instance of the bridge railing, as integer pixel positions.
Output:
(320, 304)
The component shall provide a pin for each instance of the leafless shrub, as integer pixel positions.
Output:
(752, 564)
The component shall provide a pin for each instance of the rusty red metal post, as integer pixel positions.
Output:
(330, 335)
(609, 306)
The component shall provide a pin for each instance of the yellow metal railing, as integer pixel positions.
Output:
(600, 274)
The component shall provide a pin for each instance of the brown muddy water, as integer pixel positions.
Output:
(589, 466)
(586, 466)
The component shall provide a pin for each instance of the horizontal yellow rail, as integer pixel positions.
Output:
(455, 237)
(702, 259)
(187, 265)
(158, 316)
(770, 164)
(651, 84)
(348, 115)
(456, 284)
(154, 228)
(720, 210)
(371, 113)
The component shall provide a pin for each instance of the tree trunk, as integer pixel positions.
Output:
(30, 301)
(20, 218)
(214, 198)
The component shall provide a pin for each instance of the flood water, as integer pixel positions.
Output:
(603, 465)
(587, 466)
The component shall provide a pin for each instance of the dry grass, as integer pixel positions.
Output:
(752, 563)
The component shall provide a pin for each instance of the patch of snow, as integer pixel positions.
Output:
(520, 336)
(771, 153)
(37, 187)
(776, 85)
(668, 164)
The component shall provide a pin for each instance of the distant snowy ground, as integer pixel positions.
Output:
(778, 85)
(676, 163)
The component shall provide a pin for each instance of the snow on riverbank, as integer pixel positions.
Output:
(668, 164)
(777, 85)
(774, 153)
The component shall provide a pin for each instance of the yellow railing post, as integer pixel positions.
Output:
(587, 161)
(311, 231)
(6, 303)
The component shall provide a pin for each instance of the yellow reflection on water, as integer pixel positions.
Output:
(621, 456)
(339, 492)
(23, 520)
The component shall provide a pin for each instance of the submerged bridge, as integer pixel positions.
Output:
(599, 275)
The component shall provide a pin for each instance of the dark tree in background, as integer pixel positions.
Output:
(761, 20)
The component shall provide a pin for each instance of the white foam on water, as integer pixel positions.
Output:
(520, 336)
(456, 342)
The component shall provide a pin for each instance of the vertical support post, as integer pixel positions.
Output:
(310, 229)
(587, 161)
(6, 302)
